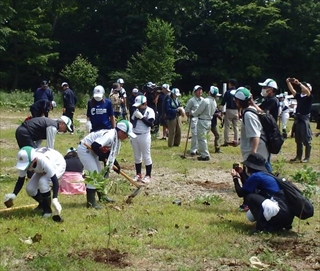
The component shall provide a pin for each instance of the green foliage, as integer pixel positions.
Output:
(308, 178)
(279, 165)
(98, 180)
(16, 99)
(81, 74)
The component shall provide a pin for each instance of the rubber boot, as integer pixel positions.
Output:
(46, 205)
(91, 199)
(217, 150)
(307, 154)
(38, 198)
(299, 154)
(284, 133)
(104, 198)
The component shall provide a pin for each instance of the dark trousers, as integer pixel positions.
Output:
(23, 137)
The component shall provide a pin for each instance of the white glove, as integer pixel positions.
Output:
(9, 196)
(56, 206)
(138, 114)
(88, 126)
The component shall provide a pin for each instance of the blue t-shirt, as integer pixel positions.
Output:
(262, 181)
(99, 114)
(303, 104)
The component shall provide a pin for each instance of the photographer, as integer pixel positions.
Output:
(117, 100)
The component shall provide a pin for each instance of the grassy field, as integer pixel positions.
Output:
(206, 232)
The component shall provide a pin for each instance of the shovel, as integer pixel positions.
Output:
(185, 148)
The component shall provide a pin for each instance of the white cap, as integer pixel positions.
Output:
(135, 90)
(214, 91)
(242, 94)
(196, 87)
(166, 86)
(54, 104)
(309, 86)
(120, 81)
(176, 92)
(139, 100)
(98, 91)
(150, 85)
(25, 157)
(126, 127)
(67, 121)
(269, 83)
(64, 83)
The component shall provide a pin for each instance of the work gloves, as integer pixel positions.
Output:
(8, 199)
(138, 114)
(56, 207)
(88, 126)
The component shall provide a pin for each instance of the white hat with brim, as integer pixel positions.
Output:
(269, 83)
(64, 83)
(139, 100)
(176, 92)
(126, 127)
(67, 121)
(25, 157)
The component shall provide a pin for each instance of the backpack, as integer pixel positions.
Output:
(298, 204)
(274, 139)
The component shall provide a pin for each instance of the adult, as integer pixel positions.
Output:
(41, 108)
(302, 129)
(69, 102)
(150, 91)
(268, 207)
(72, 181)
(142, 121)
(100, 113)
(214, 125)
(284, 113)
(43, 93)
(33, 131)
(204, 114)
(117, 100)
(173, 111)
(134, 93)
(231, 114)
(161, 104)
(101, 143)
(270, 102)
(191, 106)
(123, 94)
(48, 166)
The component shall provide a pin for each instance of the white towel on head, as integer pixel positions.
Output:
(270, 208)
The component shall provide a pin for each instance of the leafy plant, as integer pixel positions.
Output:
(98, 180)
(279, 165)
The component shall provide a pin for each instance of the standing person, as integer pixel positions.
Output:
(43, 93)
(161, 102)
(116, 100)
(142, 120)
(191, 106)
(135, 92)
(41, 108)
(270, 103)
(204, 113)
(231, 114)
(48, 166)
(173, 111)
(69, 102)
(214, 127)
(100, 113)
(102, 142)
(268, 207)
(33, 131)
(123, 94)
(284, 113)
(302, 129)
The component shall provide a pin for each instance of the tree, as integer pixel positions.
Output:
(156, 61)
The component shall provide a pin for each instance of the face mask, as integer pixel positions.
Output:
(98, 99)
(264, 92)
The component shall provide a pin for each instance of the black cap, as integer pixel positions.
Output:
(256, 161)
(44, 83)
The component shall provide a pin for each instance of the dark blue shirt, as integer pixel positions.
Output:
(69, 99)
(303, 104)
(43, 94)
(99, 114)
(228, 100)
(262, 181)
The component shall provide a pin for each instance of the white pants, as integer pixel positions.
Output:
(203, 126)
(284, 119)
(141, 149)
(194, 139)
(89, 160)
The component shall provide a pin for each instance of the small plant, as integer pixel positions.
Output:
(208, 199)
(279, 165)
(98, 180)
(308, 178)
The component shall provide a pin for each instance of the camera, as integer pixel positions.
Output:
(291, 80)
(235, 165)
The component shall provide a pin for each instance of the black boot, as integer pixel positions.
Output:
(46, 205)
(38, 198)
(91, 199)
(103, 197)
(307, 154)
(299, 154)
(284, 133)
(217, 150)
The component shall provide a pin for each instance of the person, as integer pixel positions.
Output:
(123, 94)
(173, 112)
(231, 114)
(33, 131)
(48, 166)
(103, 144)
(142, 120)
(151, 92)
(117, 100)
(161, 103)
(69, 102)
(134, 93)
(302, 129)
(191, 106)
(269, 207)
(72, 181)
(252, 138)
(204, 113)
(43, 93)
(41, 108)
(284, 113)
(214, 128)
(100, 113)
(270, 103)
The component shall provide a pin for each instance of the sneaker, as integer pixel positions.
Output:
(295, 159)
(207, 158)
(225, 144)
(305, 160)
(146, 179)
(138, 178)
(243, 208)
(46, 215)
(193, 153)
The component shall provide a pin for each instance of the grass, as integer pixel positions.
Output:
(207, 233)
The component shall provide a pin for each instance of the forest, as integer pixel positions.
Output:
(180, 42)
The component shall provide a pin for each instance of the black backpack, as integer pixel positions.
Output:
(298, 204)
(274, 139)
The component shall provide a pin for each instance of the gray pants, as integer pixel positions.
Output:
(194, 139)
(203, 126)
(231, 117)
